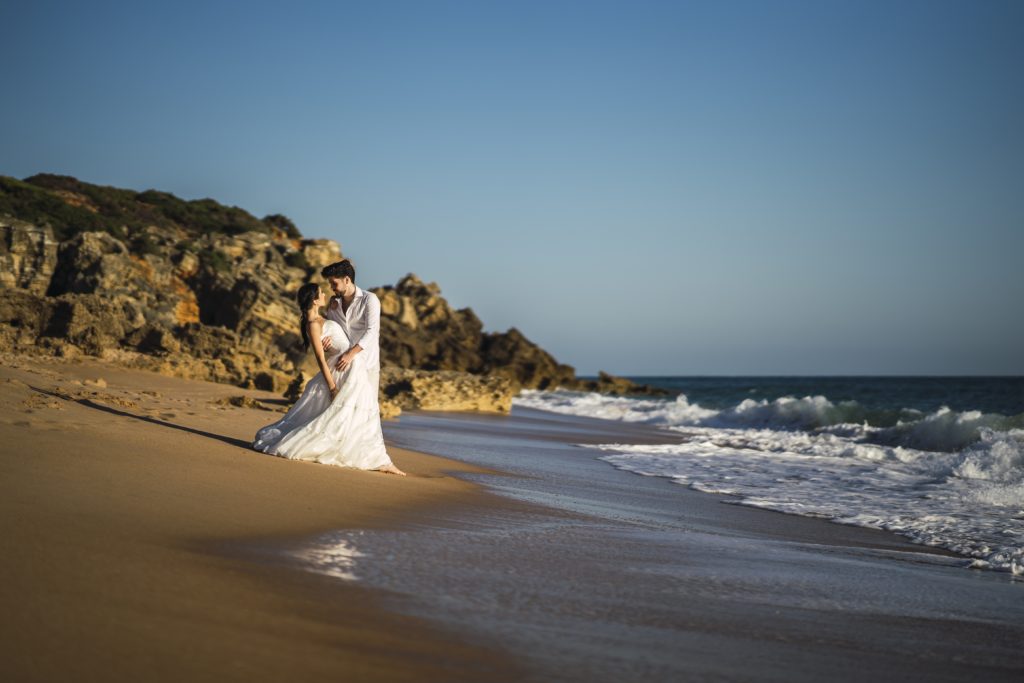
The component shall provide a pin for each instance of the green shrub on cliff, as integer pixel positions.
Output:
(215, 259)
(284, 223)
(202, 215)
(71, 206)
(34, 204)
(296, 259)
(143, 244)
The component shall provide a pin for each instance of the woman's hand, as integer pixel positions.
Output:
(334, 391)
(345, 359)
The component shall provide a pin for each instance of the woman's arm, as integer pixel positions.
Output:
(315, 330)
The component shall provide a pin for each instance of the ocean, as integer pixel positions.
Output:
(939, 460)
(585, 571)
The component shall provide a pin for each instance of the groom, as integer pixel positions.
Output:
(358, 313)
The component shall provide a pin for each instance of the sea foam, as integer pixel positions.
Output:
(949, 479)
(942, 430)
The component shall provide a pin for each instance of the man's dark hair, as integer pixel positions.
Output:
(340, 269)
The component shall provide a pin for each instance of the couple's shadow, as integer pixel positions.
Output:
(89, 403)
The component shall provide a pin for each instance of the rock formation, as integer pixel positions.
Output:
(420, 330)
(205, 291)
(446, 390)
(610, 384)
(28, 255)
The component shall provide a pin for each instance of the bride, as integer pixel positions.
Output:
(336, 421)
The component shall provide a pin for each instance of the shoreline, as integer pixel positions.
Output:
(148, 544)
(758, 519)
(113, 524)
(618, 576)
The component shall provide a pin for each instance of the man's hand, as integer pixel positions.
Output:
(327, 344)
(345, 359)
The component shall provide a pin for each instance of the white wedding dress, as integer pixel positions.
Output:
(345, 431)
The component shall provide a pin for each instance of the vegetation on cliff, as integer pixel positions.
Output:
(70, 206)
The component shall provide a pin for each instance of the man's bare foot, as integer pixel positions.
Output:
(391, 469)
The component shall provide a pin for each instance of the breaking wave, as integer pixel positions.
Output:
(942, 430)
(952, 479)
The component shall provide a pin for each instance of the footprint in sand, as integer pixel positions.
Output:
(112, 400)
(57, 426)
(37, 402)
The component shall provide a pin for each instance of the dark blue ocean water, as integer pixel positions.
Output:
(883, 398)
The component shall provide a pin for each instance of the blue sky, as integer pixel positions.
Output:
(641, 187)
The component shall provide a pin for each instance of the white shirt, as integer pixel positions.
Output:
(361, 323)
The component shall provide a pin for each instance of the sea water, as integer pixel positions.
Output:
(607, 576)
(939, 460)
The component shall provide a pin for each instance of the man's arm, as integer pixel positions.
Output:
(371, 331)
(371, 323)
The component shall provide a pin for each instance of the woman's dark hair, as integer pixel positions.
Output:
(306, 296)
(343, 268)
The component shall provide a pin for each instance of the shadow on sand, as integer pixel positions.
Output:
(89, 403)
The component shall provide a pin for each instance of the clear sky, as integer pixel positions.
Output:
(642, 187)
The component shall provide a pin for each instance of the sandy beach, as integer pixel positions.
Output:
(117, 488)
(144, 539)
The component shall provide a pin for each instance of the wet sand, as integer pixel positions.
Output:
(143, 539)
(114, 497)
(612, 576)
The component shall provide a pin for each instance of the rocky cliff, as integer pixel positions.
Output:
(420, 330)
(206, 291)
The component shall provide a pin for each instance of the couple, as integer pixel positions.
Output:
(336, 421)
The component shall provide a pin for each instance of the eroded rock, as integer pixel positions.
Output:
(28, 255)
(617, 386)
(446, 390)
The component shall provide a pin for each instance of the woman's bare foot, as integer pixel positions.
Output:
(391, 469)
